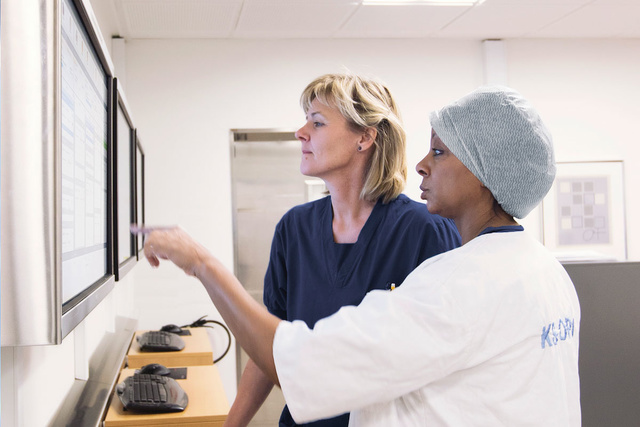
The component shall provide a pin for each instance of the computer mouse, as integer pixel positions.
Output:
(154, 369)
(174, 329)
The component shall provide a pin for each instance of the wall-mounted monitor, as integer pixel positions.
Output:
(124, 185)
(140, 196)
(56, 209)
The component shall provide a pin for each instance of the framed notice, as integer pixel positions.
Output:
(584, 214)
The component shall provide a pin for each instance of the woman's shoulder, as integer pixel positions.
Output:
(494, 252)
(310, 207)
(403, 203)
(306, 212)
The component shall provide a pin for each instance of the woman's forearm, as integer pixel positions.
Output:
(253, 390)
(252, 325)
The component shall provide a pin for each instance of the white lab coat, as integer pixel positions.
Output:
(483, 335)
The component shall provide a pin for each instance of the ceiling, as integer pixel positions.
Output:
(493, 19)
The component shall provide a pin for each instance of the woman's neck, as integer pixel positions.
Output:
(470, 228)
(350, 213)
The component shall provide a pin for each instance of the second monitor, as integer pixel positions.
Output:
(125, 190)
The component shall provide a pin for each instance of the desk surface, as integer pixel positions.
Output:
(197, 351)
(208, 405)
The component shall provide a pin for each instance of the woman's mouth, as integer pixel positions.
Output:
(424, 190)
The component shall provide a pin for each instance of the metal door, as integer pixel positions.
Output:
(266, 183)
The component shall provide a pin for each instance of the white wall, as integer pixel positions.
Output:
(587, 92)
(186, 95)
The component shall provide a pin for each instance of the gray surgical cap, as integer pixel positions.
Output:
(500, 138)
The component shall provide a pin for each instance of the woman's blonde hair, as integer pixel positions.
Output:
(367, 103)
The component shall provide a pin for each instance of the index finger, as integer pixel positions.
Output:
(146, 229)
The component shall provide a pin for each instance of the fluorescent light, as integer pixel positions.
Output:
(422, 2)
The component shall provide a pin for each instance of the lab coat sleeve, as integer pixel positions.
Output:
(367, 354)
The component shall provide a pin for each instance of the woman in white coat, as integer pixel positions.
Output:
(482, 335)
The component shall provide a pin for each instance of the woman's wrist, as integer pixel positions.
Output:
(200, 263)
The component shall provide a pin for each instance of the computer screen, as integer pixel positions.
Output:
(125, 189)
(84, 157)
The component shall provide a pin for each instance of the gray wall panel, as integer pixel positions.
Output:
(609, 342)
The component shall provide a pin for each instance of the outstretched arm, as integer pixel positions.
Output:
(251, 324)
(253, 389)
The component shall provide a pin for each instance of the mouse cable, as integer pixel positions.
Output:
(202, 323)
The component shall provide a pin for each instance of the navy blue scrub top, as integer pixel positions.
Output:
(311, 277)
(502, 229)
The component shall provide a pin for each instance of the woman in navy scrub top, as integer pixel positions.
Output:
(364, 235)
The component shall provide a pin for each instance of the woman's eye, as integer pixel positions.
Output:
(436, 152)
(317, 124)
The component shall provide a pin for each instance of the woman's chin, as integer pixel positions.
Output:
(432, 208)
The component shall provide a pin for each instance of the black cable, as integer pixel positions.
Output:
(202, 323)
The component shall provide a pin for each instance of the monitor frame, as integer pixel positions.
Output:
(33, 310)
(140, 202)
(120, 102)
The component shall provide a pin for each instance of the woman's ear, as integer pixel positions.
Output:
(368, 138)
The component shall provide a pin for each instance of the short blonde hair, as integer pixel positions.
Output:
(367, 103)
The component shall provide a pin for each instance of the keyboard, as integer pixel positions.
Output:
(151, 394)
(160, 341)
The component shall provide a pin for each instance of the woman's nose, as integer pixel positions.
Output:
(302, 134)
(422, 167)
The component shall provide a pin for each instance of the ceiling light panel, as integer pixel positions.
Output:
(178, 18)
(509, 18)
(600, 19)
(398, 22)
(293, 18)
